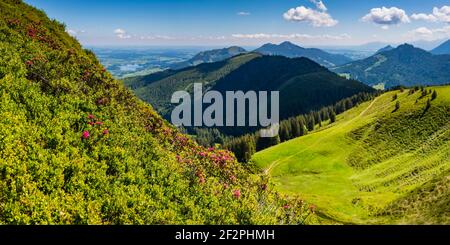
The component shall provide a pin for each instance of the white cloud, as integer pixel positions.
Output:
(429, 34)
(122, 34)
(386, 16)
(319, 5)
(426, 17)
(385, 27)
(423, 31)
(441, 14)
(243, 13)
(304, 14)
(292, 36)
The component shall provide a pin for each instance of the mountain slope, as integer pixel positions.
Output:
(404, 65)
(387, 48)
(444, 48)
(291, 50)
(303, 84)
(376, 164)
(210, 56)
(76, 147)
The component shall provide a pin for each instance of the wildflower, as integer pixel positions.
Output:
(98, 123)
(286, 206)
(264, 187)
(29, 63)
(202, 154)
(105, 132)
(233, 178)
(85, 135)
(211, 149)
(32, 32)
(237, 193)
(201, 180)
(90, 116)
(225, 186)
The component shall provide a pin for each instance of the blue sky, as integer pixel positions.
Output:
(250, 22)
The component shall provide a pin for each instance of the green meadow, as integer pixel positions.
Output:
(375, 164)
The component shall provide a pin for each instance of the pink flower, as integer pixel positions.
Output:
(106, 131)
(237, 193)
(99, 123)
(286, 206)
(90, 116)
(85, 135)
(202, 154)
(264, 187)
(201, 180)
(211, 149)
(29, 62)
(233, 178)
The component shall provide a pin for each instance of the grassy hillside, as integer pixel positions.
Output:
(376, 164)
(76, 147)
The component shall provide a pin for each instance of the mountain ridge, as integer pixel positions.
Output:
(210, 56)
(303, 84)
(443, 48)
(291, 50)
(405, 65)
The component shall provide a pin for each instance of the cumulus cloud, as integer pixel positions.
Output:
(122, 34)
(426, 17)
(319, 5)
(314, 17)
(441, 14)
(386, 16)
(423, 31)
(243, 13)
(429, 34)
(291, 36)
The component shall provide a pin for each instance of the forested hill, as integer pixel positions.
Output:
(303, 84)
(405, 65)
(76, 147)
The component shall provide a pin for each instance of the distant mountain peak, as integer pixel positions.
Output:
(405, 65)
(384, 49)
(406, 46)
(291, 50)
(444, 48)
(209, 56)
